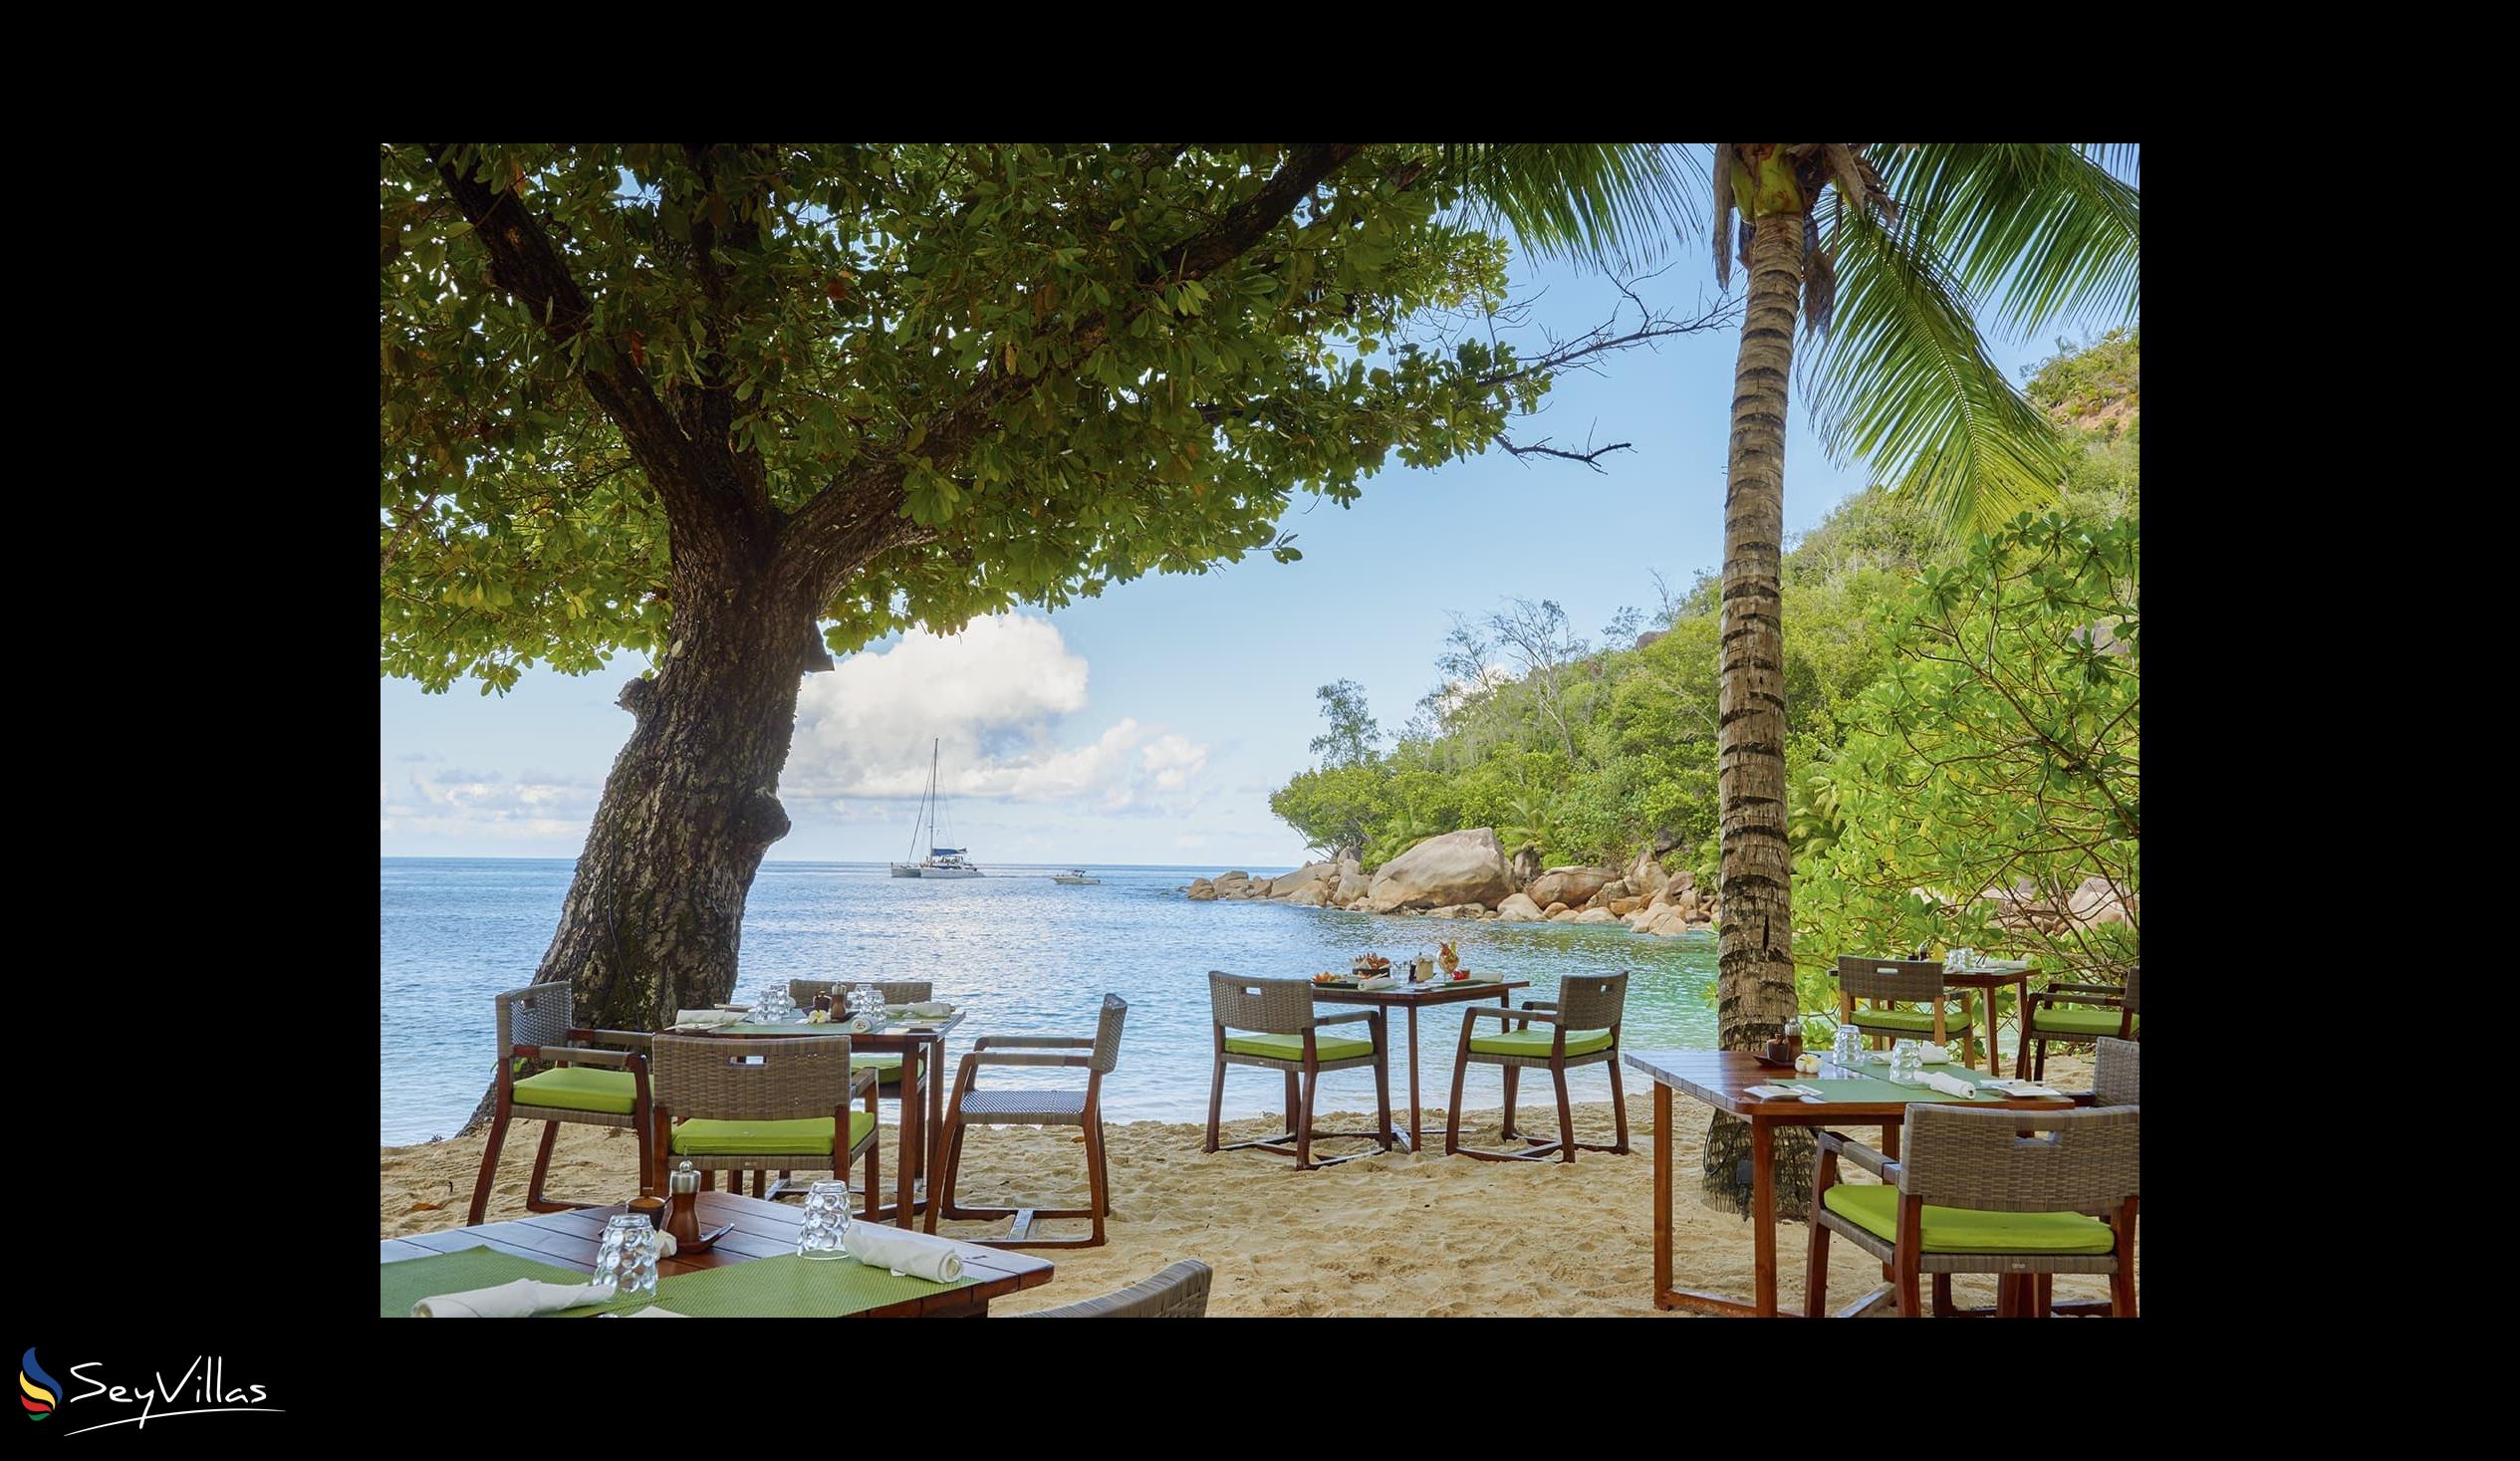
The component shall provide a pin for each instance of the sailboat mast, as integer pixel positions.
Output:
(923, 805)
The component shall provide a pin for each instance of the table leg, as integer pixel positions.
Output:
(1763, 1199)
(914, 1113)
(936, 1106)
(1417, 1141)
(1661, 1194)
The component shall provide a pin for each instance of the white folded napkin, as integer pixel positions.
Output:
(652, 1312)
(1949, 1084)
(931, 1010)
(520, 1300)
(2025, 1089)
(706, 1018)
(916, 1254)
(1383, 981)
(1935, 1054)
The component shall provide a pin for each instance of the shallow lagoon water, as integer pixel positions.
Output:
(1025, 955)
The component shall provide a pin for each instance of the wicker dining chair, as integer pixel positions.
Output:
(1179, 1291)
(733, 1105)
(1033, 1107)
(1972, 1194)
(588, 1086)
(1892, 982)
(2079, 1014)
(1281, 1033)
(1579, 1028)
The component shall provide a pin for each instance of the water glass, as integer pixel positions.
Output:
(825, 1229)
(1908, 1062)
(771, 1006)
(628, 1256)
(1849, 1049)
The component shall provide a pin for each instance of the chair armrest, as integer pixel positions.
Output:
(1347, 1019)
(1472, 1014)
(2113, 999)
(973, 1059)
(579, 1055)
(1860, 1154)
(1540, 1004)
(861, 1077)
(629, 1038)
(1036, 1042)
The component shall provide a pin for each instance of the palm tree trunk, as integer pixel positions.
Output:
(1754, 982)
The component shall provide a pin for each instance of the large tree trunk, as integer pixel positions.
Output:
(1754, 981)
(653, 921)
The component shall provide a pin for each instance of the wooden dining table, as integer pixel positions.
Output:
(921, 1046)
(1412, 998)
(1722, 1078)
(761, 1229)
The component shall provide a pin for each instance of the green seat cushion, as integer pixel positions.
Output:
(1290, 1047)
(1966, 1230)
(769, 1139)
(888, 1062)
(2077, 1022)
(1920, 1021)
(1537, 1039)
(581, 1088)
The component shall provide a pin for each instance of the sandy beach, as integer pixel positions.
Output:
(1391, 1234)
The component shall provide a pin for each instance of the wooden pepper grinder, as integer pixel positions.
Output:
(682, 1208)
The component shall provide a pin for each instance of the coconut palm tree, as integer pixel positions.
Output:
(1886, 253)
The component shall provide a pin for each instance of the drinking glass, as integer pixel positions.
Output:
(1850, 1047)
(628, 1256)
(824, 1230)
(1908, 1062)
(772, 1005)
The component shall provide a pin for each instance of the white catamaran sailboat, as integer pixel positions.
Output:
(939, 861)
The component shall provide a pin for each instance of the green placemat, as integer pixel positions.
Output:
(786, 1287)
(408, 1281)
(1877, 1088)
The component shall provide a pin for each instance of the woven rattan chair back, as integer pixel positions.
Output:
(2116, 1073)
(1180, 1292)
(2076, 1161)
(1269, 1006)
(538, 1014)
(716, 1079)
(1907, 980)
(896, 991)
(1105, 1057)
(1592, 1001)
(2134, 989)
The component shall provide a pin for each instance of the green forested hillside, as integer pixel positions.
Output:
(1583, 747)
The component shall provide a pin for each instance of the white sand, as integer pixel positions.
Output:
(1397, 1234)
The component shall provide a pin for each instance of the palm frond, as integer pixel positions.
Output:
(1624, 203)
(2035, 229)
(1904, 382)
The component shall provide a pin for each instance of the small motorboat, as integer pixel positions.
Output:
(1075, 877)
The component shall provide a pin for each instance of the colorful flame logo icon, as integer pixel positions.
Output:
(41, 1389)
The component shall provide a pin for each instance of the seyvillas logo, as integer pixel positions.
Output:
(38, 1390)
(203, 1388)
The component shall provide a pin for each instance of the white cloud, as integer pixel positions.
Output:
(994, 695)
(536, 806)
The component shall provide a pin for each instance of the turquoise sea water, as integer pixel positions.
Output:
(1024, 956)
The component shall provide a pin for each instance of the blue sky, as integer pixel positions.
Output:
(1149, 726)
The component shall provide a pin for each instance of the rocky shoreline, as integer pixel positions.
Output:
(1465, 875)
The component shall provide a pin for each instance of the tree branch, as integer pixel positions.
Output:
(817, 541)
(696, 482)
